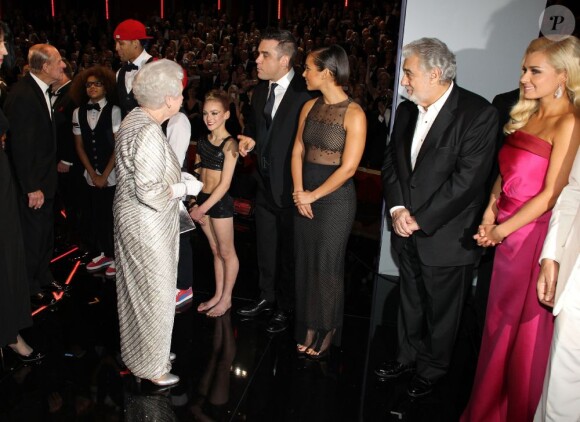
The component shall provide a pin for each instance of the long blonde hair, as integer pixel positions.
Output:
(564, 56)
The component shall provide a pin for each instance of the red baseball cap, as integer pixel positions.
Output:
(130, 29)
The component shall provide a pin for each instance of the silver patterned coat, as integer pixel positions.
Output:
(146, 243)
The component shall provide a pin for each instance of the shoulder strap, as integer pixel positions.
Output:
(224, 141)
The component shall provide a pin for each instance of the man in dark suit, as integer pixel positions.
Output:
(434, 175)
(68, 166)
(32, 148)
(276, 106)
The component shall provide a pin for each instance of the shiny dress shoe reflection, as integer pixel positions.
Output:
(148, 407)
(256, 308)
(43, 298)
(213, 391)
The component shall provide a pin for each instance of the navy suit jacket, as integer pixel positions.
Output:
(445, 191)
(31, 140)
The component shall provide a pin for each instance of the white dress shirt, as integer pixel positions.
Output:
(425, 120)
(139, 62)
(283, 84)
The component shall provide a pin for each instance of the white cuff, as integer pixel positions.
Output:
(178, 190)
(395, 208)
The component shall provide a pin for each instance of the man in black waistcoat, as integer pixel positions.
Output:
(129, 43)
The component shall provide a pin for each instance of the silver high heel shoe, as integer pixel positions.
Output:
(166, 380)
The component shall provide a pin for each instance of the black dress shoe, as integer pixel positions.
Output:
(419, 387)
(42, 299)
(278, 322)
(55, 285)
(32, 357)
(256, 308)
(392, 369)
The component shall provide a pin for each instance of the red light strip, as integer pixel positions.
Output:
(72, 273)
(58, 296)
(279, 9)
(107, 9)
(42, 308)
(219, 4)
(162, 9)
(52, 7)
(64, 254)
(63, 213)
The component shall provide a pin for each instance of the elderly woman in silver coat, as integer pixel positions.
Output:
(146, 210)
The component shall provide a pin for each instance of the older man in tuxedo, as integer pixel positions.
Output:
(32, 148)
(434, 174)
(560, 273)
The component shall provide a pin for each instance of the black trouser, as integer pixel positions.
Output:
(101, 219)
(38, 235)
(185, 266)
(275, 246)
(432, 302)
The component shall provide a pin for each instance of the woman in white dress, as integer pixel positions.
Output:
(146, 211)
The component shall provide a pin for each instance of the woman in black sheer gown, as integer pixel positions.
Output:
(328, 148)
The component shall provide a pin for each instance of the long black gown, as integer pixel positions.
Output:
(14, 294)
(320, 243)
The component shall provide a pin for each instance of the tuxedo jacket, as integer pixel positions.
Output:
(445, 191)
(562, 243)
(275, 144)
(63, 111)
(31, 140)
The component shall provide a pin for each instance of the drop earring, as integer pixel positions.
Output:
(558, 92)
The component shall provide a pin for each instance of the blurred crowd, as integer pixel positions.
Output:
(217, 52)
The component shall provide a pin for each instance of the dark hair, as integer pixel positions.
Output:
(286, 42)
(78, 89)
(220, 96)
(9, 59)
(67, 68)
(334, 59)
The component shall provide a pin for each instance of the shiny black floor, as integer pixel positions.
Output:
(231, 369)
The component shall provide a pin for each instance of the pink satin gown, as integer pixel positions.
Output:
(518, 330)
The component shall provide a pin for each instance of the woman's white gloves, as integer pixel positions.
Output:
(189, 185)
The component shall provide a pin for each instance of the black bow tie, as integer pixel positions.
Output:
(128, 67)
(95, 106)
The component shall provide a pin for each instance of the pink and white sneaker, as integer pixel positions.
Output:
(183, 297)
(111, 271)
(99, 262)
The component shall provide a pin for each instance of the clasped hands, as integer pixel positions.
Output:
(488, 235)
(404, 224)
(302, 201)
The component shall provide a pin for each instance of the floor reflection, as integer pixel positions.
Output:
(230, 368)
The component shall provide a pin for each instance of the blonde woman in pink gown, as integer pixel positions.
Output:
(534, 166)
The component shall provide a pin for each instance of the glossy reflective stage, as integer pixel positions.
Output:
(230, 369)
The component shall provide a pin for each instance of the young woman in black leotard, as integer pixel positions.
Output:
(214, 209)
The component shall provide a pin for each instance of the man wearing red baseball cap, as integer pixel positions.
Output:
(128, 43)
(129, 36)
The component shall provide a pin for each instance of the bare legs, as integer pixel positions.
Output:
(220, 235)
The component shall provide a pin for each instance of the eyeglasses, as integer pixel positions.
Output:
(98, 84)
